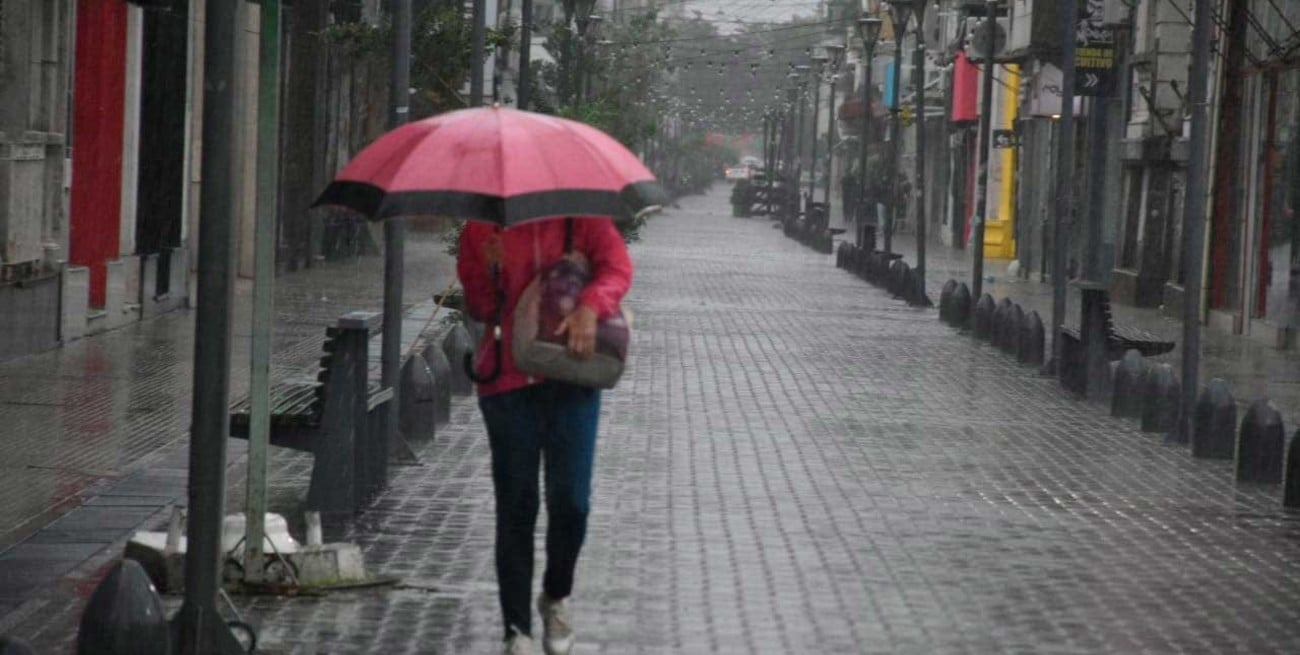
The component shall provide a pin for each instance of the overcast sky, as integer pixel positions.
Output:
(731, 15)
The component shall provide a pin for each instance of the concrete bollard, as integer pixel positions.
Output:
(945, 301)
(1126, 401)
(1214, 423)
(1033, 340)
(984, 309)
(15, 646)
(455, 346)
(124, 616)
(1160, 394)
(416, 413)
(441, 370)
(961, 306)
(1011, 330)
(1291, 475)
(1261, 445)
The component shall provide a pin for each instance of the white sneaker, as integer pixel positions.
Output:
(557, 635)
(519, 644)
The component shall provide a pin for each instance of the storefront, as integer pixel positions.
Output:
(1255, 231)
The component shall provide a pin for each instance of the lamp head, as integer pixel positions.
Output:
(835, 55)
(901, 12)
(869, 31)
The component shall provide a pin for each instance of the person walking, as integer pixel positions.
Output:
(533, 422)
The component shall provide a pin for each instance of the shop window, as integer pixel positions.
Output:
(1134, 191)
(1278, 282)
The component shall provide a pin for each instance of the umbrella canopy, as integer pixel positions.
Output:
(498, 165)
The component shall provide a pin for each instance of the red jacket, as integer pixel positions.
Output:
(524, 251)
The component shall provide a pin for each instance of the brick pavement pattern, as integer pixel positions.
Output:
(797, 463)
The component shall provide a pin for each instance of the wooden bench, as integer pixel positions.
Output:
(339, 417)
(1097, 321)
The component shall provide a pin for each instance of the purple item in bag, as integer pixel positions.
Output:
(550, 297)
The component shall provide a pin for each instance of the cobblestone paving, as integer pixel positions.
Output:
(1254, 370)
(798, 464)
(95, 433)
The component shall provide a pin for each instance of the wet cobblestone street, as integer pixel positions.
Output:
(798, 463)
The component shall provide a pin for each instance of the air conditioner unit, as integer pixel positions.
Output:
(974, 36)
(1036, 27)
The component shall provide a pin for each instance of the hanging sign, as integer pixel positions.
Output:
(1094, 58)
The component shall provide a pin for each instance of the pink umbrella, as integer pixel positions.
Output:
(498, 165)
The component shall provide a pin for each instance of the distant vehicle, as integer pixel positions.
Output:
(737, 173)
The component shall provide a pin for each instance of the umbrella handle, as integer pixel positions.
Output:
(496, 364)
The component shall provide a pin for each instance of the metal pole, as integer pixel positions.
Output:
(865, 213)
(918, 62)
(830, 145)
(812, 159)
(1065, 176)
(199, 626)
(798, 143)
(895, 135)
(986, 149)
(1098, 117)
(525, 45)
(1194, 216)
(767, 143)
(579, 45)
(395, 228)
(478, 40)
(268, 158)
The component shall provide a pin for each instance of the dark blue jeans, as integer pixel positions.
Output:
(552, 424)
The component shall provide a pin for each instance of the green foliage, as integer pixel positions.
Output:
(360, 40)
(441, 42)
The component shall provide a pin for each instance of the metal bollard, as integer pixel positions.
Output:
(1011, 331)
(455, 346)
(984, 309)
(1127, 389)
(1291, 475)
(416, 414)
(1214, 423)
(1033, 340)
(1261, 445)
(1160, 394)
(961, 306)
(124, 616)
(945, 301)
(998, 329)
(441, 370)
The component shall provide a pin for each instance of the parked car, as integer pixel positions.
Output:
(736, 173)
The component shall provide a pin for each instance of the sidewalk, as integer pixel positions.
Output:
(1252, 369)
(96, 432)
(797, 463)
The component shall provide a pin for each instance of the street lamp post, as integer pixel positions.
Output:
(900, 12)
(869, 32)
(589, 38)
(835, 57)
(788, 151)
(818, 67)
(986, 149)
(801, 72)
(918, 63)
